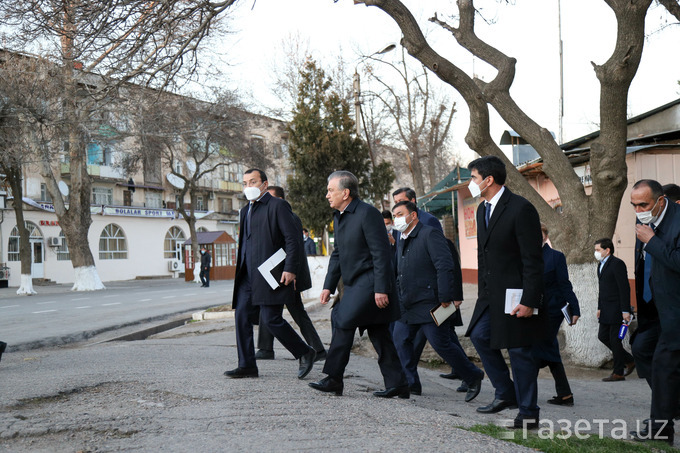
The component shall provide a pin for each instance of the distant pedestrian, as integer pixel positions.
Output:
(557, 293)
(310, 245)
(362, 259)
(206, 260)
(3, 346)
(613, 307)
(389, 225)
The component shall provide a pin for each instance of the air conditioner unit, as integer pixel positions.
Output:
(174, 265)
(54, 241)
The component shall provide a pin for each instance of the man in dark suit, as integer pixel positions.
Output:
(303, 281)
(613, 307)
(425, 279)
(408, 194)
(266, 226)
(509, 258)
(205, 267)
(659, 231)
(310, 245)
(361, 256)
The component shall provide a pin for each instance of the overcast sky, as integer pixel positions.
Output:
(526, 30)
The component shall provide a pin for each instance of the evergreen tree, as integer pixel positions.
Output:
(323, 140)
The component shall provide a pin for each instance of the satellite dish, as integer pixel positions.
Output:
(63, 188)
(175, 181)
(191, 165)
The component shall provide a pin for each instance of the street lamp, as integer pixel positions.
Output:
(357, 85)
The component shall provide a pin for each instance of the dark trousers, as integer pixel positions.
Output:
(440, 339)
(547, 353)
(388, 360)
(204, 275)
(643, 346)
(265, 339)
(609, 336)
(665, 384)
(271, 317)
(420, 341)
(524, 388)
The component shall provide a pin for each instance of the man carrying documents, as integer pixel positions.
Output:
(425, 282)
(510, 263)
(268, 256)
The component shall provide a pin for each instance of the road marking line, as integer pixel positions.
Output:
(44, 311)
(81, 298)
(190, 294)
(168, 297)
(84, 306)
(45, 303)
(110, 295)
(10, 306)
(114, 303)
(143, 300)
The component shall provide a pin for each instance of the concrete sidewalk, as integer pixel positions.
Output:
(167, 393)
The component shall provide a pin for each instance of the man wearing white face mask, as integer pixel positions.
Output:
(613, 306)
(266, 225)
(658, 290)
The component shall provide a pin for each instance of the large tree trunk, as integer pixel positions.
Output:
(26, 286)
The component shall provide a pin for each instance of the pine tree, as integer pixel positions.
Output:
(323, 140)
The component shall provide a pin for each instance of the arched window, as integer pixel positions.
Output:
(173, 237)
(201, 230)
(13, 243)
(112, 244)
(62, 251)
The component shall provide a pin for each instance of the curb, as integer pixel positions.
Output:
(204, 315)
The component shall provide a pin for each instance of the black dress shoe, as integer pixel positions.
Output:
(497, 406)
(450, 375)
(402, 392)
(562, 400)
(525, 422)
(329, 385)
(474, 388)
(320, 355)
(462, 388)
(658, 433)
(3, 346)
(306, 363)
(262, 354)
(416, 389)
(242, 373)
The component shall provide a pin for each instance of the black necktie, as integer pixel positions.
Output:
(488, 213)
(646, 289)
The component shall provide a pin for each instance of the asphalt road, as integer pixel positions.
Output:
(57, 315)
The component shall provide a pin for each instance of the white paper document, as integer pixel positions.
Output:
(267, 267)
(512, 299)
(441, 313)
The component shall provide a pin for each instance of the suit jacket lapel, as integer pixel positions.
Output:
(497, 212)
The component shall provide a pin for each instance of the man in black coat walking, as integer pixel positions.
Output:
(613, 307)
(510, 261)
(266, 226)
(362, 258)
(303, 281)
(659, 231)
(205, 267)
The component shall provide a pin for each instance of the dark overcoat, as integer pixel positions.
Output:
(557, 287)
(614, 291)
(361, 256)
(664, 247)
(303, 279)
(272, 226)
(509, 257)
(425, 275)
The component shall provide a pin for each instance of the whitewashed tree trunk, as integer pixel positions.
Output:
(197, 272)
(87, 279)
(26, 288)
(581, 343)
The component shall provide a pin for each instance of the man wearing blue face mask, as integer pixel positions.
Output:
(658, 274)
(266, 226)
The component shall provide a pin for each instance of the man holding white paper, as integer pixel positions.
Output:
(425, 280)
(267, 227)
(509, 258)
